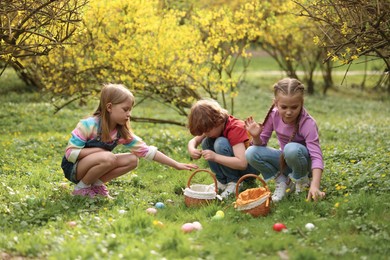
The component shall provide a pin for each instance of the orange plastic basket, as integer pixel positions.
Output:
(255, 201)
(200, 194)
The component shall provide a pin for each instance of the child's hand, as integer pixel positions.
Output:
(186, 166)
(252, 127)
(208, 155)
(315, 194)
(195, 153)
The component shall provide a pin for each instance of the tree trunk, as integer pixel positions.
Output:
(327, 76)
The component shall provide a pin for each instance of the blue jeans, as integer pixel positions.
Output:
(223, 173)
(266, 160)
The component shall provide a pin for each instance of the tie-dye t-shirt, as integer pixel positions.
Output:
(87, 129)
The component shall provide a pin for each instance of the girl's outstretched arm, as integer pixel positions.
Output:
(314, 191)
(164, 159)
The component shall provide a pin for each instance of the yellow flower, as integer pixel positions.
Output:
(316, 40)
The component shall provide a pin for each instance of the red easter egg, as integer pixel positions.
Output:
(279, 227)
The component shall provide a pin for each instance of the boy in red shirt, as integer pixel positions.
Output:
(224, 140)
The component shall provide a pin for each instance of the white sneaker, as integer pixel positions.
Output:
(281, 188)
(230, 189)
(220, 186)
(301, 185)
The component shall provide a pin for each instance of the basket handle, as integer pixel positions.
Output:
(203, 170)
(247, 176)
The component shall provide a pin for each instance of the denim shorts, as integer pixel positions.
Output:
(69, 169)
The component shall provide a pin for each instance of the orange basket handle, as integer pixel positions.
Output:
(203, 170)
(248, 176)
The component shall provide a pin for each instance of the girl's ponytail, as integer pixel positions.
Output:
(268, 113)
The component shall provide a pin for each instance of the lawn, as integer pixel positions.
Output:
(39, 219)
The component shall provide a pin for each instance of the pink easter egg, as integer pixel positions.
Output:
(151, 211)
(187, 227)
(72, 223)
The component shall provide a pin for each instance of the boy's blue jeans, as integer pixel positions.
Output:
(223, 173)
(266, 160)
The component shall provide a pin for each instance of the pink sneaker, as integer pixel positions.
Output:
(101, 190)
(85, 192)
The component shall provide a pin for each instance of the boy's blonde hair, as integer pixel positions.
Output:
(114, 94)
(205, 115)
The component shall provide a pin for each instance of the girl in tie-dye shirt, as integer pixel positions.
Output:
(89, 162)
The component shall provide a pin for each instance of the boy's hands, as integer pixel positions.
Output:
(252, 127)
(208, 155)
(195, 153)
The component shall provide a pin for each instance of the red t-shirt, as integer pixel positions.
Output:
(235, 131)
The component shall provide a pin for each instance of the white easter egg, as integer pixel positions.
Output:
(309, 226)
(197, 225)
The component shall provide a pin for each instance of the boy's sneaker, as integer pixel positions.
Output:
(84, 192)
(230, 189)
(280, 190)
(220, 186)
(301, 185)
(101, 190)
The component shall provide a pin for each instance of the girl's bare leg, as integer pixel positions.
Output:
(125, 163)
(98, 165)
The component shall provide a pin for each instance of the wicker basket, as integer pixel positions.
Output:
(255, 201)
(200, 194)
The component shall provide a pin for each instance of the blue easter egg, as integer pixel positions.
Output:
(159, 205)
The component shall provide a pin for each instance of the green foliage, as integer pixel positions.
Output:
(31, 28)
(36, 207)
(171, 56)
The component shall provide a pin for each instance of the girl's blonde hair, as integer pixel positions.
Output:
(114, 94)
(205, 115)
(287, 87)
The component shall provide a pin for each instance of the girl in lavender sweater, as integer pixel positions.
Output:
(299, 157)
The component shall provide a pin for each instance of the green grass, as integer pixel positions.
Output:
(36, 206)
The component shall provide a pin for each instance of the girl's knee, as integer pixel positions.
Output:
(255, 153)
(133, 161)
(292, 150)
(250, 153)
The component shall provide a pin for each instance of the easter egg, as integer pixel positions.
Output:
(279, 227)
(151, 211)
(217, 217)
(159, 205)
(72, 223)
(220, 213)
(158, 223)
(309, 226)
(197, 225)
(187, 227)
